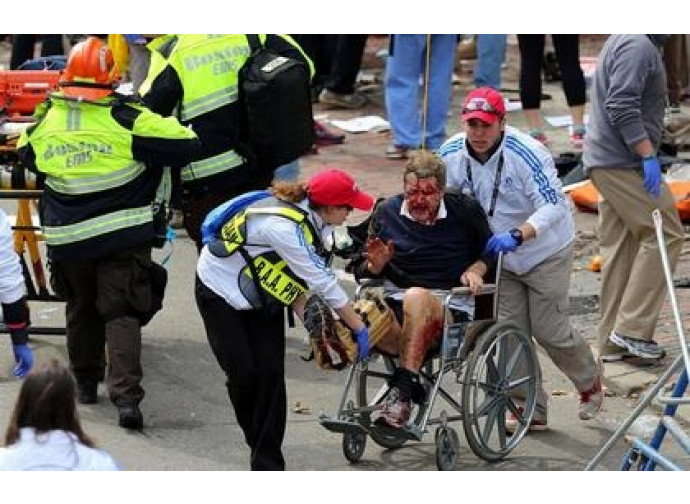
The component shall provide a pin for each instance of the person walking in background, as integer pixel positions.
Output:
(15, 311)
(337, 60)
(491, 52)
(413, 127)
(620, 156)
(44, 432)
(339, 87)
(567, 49)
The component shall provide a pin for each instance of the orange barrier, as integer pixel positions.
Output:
(586, 197)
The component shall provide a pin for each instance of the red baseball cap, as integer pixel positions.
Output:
(335, 187)
(485, 104)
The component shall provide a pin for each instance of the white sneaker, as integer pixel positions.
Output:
(637, 347)
(591, 400)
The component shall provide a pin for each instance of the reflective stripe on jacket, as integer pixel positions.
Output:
(103, 162)
(197, 76)
(273, 274)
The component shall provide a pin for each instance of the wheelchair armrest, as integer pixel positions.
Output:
(465, 291)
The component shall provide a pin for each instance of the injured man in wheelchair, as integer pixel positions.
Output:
(420, 242)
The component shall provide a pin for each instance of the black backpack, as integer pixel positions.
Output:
(276, 118)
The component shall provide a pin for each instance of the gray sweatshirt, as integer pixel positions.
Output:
(628, 98)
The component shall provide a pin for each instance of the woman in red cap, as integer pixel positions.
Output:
(265, 257)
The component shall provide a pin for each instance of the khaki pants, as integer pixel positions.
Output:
(633, 284)
(538, 303)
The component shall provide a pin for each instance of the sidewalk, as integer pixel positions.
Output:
(362, 155)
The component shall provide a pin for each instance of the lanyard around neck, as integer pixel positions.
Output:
(497, 183)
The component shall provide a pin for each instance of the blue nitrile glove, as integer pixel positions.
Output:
(24, 358)
(362, 343)
(502, 242)
(652, 175)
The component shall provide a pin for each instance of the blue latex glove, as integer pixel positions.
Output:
(362, 343)
(652, 175)
(502, 242)
(24, 358)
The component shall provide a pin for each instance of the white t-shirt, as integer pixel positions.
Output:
(53, 451)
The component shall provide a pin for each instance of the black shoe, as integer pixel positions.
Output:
(87, 392)
(130, 417)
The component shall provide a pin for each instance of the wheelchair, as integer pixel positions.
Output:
(469, 377)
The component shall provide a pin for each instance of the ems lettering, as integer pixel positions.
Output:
(78, 159)
(222, 67)
(224, 60)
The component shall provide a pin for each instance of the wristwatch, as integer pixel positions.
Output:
(517, 235)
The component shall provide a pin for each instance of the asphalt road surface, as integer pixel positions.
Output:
(190, 425)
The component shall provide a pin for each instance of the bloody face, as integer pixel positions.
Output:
(423, 197)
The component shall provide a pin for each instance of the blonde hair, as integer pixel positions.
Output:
(292, 192)
(426, 164)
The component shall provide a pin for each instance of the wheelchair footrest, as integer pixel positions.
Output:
(341, 426)
(409, 432)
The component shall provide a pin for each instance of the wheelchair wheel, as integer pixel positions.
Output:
(492, 376)
(353, 446)
(372, 390)
(447, 448)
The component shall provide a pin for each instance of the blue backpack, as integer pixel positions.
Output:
(217, 217)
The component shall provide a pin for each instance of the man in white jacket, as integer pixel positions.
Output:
(12, 296)
(514, 179)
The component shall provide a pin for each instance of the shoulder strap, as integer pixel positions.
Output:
(254, 43)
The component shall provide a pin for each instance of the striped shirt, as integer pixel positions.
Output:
(529, 191)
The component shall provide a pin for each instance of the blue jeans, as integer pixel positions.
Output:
(404, 94)
(491, 52)
(288, 172)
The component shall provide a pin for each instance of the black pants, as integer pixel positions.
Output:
(347, 59)
(567, 49)
(337, 59)
(23, 47)
(105, 299)
(319, 48)
(250, 348)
